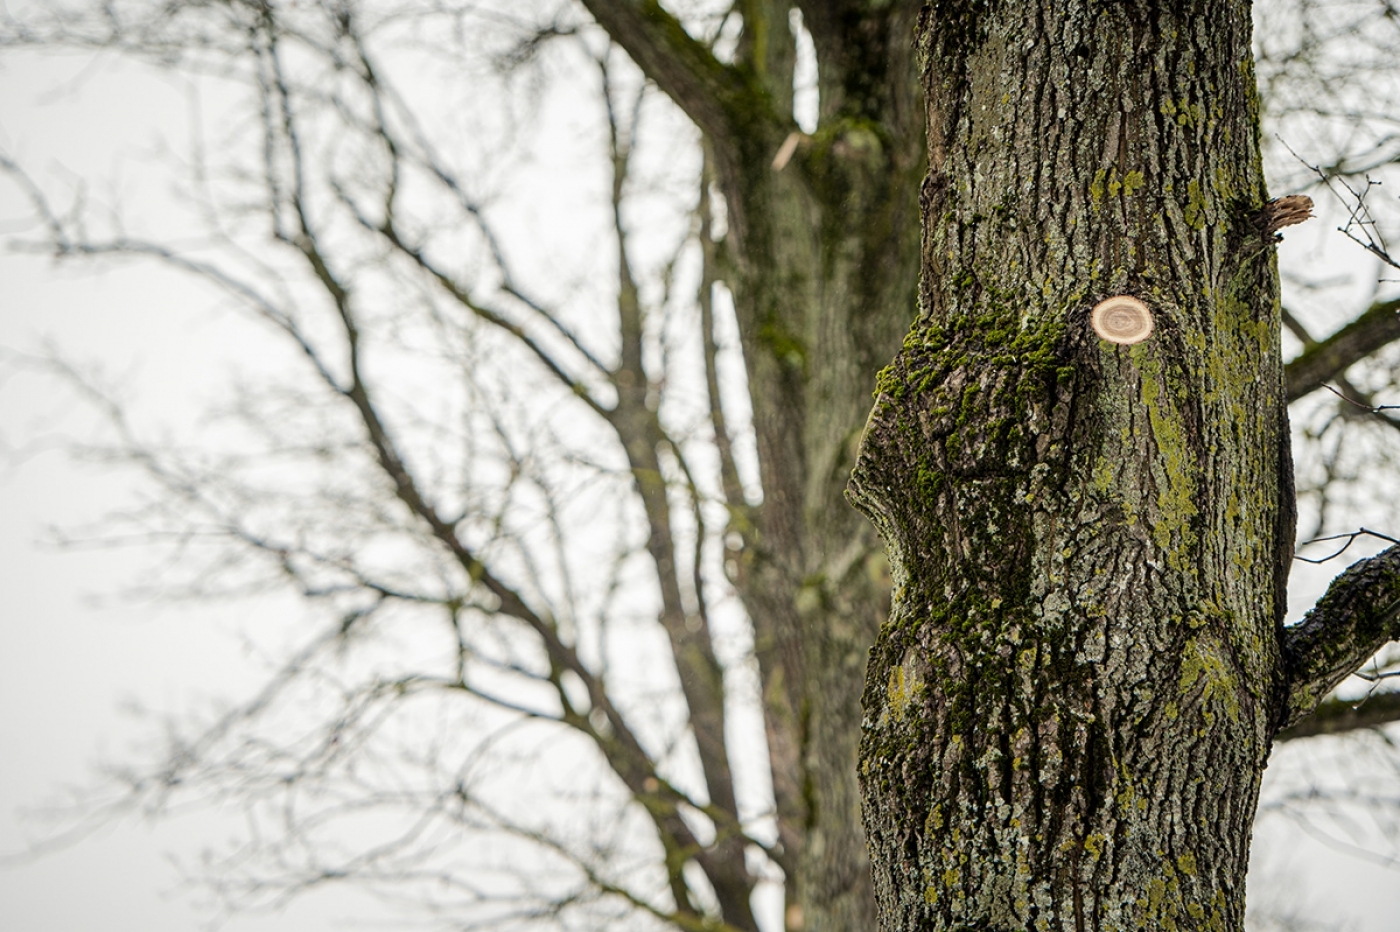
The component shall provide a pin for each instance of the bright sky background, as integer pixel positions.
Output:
(72, 655)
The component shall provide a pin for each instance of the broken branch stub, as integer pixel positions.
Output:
(1283, 212)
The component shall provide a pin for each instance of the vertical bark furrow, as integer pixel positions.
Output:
(1084, 537)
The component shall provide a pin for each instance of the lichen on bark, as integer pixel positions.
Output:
(1071, 703)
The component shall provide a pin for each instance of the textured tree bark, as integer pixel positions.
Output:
(1071, 704)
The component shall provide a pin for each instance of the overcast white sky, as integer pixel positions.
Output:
(71, 656)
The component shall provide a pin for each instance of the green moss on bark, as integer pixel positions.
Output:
(1085, 538)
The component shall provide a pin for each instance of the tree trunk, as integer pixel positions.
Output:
(822, 302)
(1070, 706)
(821, 253)
(823, 256)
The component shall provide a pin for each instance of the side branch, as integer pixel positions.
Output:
(1336, 716)
(685, 70)
(1357, 616)
(1327, 359)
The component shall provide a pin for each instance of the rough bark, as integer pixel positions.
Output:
(1083, 667)
(1070, 707)
(1357, 616)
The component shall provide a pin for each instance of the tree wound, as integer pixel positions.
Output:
(1122, 319)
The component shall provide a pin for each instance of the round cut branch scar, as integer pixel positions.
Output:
(1122, 319)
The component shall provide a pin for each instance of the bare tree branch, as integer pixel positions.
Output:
(1337, 716)
(724, 445)
(1330, 357)
(1355, 618)
(642, 436)
(711, 93)
(384, 95)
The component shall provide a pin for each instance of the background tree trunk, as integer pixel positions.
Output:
(819, 301)
(824, 258)
(1070, 707)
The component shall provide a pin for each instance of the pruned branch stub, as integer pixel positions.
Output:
(1122, 319)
